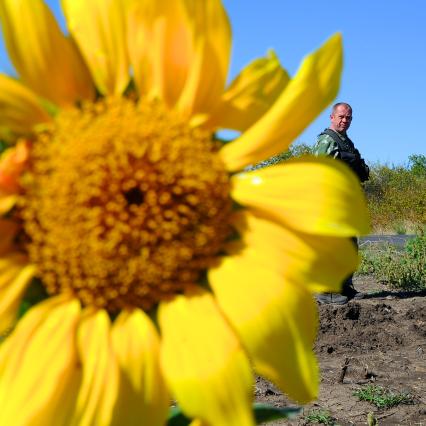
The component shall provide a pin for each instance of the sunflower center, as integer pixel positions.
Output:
(124, 205)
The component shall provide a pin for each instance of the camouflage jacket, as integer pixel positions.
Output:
(344, 150)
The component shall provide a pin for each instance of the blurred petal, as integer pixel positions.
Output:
(312, 195)
(15, 275)
(203, 362)
(308, 93)
(251, 94)
(100, 381)
(180, 51)
(143, 394)
(319, 262)
(45, 59)
(197, 422)
(99, 29)
(160, 47)
(6, 202)
(276, 320)
(38, 366)
(209, 64)
(20, 109)
(12, 163)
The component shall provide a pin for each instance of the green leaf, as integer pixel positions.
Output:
(266, 413)
(262, 413)
(177, 418)
(34, 294)
(3, 146)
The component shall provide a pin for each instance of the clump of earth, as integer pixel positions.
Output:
(379, 340)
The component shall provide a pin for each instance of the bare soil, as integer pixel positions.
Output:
(378, 340)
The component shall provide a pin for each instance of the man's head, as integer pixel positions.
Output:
(341, 117)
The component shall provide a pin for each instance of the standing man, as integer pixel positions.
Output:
(335, 143)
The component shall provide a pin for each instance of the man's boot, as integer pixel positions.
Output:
(349, 291)
(331, 299)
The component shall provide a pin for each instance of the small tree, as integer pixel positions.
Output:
(417, 164)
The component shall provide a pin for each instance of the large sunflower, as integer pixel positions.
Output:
(169, 272)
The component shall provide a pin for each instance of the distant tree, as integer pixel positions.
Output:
(417, 164)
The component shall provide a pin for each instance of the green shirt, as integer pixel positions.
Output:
(343, 150)
(326, 145)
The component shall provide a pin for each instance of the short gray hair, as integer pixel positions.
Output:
(335, 106)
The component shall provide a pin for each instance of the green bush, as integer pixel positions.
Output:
(401, 269)
(370, 260)
(396, 196)
(417, 164)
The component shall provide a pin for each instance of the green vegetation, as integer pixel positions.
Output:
(397, 196)
(402, 269)
(319, 417)
(381, 397)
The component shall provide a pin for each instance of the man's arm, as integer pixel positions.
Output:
(326, 146)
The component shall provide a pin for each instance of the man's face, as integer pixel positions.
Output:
(341, 119)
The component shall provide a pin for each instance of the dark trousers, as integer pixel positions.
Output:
(348, 287)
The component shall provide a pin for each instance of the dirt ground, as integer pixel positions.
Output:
(382, 339)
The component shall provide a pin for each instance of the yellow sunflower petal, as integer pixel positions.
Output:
(197, 422)
(38, 366)
(180, 51)
(143, 394)
(12, 163)
(100, 381)
(275, 319)
(160, 47)
(15, 275)
(319, 262)
(251, 94)
(99, 30)
(45, 59)
(208, 68)
(20, 109)
(203, 362)
(313, 195)
(6, 202)
(308, 93)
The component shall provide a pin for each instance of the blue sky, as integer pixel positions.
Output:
(385, 62)
(384, 77)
